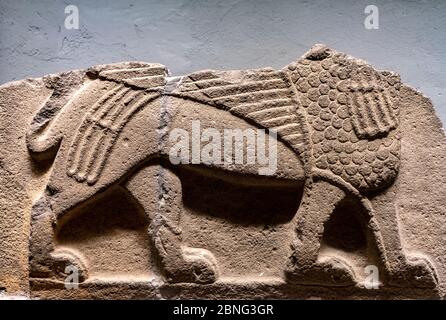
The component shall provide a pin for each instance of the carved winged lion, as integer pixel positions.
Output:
(337, 116)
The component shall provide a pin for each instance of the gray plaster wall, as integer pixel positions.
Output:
(230, 34)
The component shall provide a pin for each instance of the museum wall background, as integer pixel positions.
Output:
(192, 35)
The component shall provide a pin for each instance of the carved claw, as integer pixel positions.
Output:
(326, 272)
(203, 265)
(65, 262)
(198, 266)
(417, 271)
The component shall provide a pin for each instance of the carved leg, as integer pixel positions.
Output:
(319, 201)
(413, 270)
(45, 260)
(158, 190)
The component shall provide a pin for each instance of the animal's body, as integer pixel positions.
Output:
(336, 120)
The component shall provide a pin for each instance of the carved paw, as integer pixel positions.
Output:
(202, 265)
(67, 263)
(417, 271)
(327, 272)
(198, 266)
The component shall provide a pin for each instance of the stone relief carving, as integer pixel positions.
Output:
(339, 131)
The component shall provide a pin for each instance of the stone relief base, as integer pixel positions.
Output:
(274, 289)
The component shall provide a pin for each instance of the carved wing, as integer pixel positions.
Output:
(131, 91)
(371, 106)
(263, 96)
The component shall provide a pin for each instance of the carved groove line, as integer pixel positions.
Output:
(265, 98)
(352, 111)
(107, 117)
(371, 109)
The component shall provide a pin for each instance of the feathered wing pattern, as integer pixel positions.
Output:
(264, 96)
(371, 106)
(132, 90)
(352, 111)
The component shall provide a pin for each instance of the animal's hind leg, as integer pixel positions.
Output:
(158, 190)
(319, 201)
(414, 270)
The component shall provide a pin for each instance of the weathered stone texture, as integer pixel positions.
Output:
(87, 181)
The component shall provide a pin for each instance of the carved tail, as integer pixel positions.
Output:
(45, 133)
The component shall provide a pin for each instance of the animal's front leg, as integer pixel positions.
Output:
(158, 190)
(319, 201)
